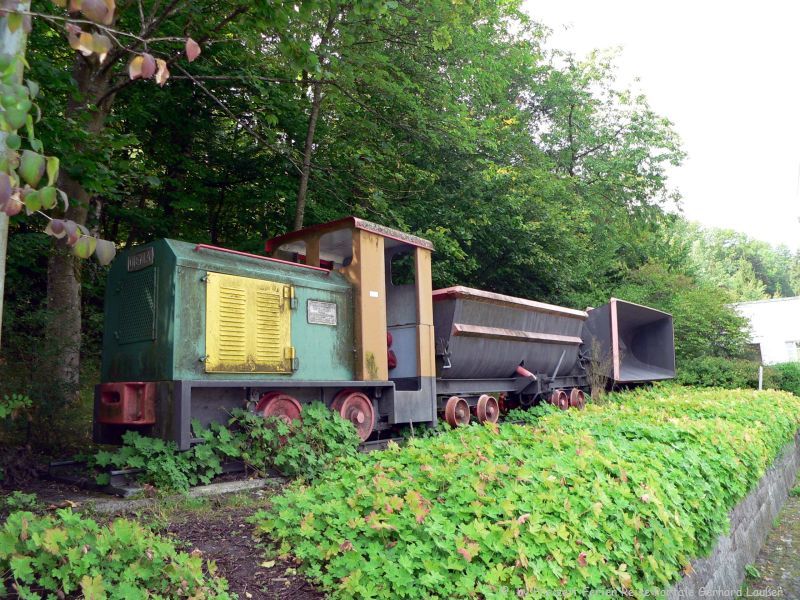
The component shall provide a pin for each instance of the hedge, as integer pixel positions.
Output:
(734, 373)
(787, 376)
(715, 371)
(619, 497)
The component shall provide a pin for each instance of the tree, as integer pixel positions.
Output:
(12, 43)
(750, 269)
(533, 175)
(705, 322)
(104, 39)
(22, 170)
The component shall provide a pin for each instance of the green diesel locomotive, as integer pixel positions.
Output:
(343, 313)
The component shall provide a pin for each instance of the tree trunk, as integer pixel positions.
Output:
(63, 269)
(308, 150)
(11, 44)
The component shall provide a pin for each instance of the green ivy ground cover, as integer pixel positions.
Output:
(65, 555)
(618, 498)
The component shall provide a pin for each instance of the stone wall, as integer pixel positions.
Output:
(721, 574)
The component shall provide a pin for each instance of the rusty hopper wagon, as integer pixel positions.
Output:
(344, 313)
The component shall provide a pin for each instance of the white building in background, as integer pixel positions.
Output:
(775, 327)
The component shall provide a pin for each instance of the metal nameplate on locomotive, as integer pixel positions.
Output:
(321, 313)
(142, 259)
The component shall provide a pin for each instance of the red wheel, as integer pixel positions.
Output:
(560, 399)
(280, 405)
(356, 407)
(488, 409)
(456, 411)
(577, 399)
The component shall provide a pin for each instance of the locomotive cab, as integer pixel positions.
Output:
(393, 322)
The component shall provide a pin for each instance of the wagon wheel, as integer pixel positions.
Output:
(488, 409)
(456, 411)
(560, 399)
(280, 405)
(577, 399)
(356, 407)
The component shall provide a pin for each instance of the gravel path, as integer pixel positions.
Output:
(778, 563)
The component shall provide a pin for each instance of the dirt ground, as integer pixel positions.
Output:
(777, 567)
(223, 535)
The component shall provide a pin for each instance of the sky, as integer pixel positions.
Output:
(727, 74)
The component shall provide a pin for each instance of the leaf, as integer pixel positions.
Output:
(53, 538)
(64, 198)
(162, 74)
(94, 10)
(148, 66)
(469, 551)
(52, 169)
(442, 38)
(30, 132)
(11, 162)
(73, 35)
(56, 228)
(33, 88)
(92, 587)
(48, 197)
(625, 579)
(112, 7)
(73, 234)
(13, 206)
(31, 167)
(86, 43)
(105, 252)
(14, 21)
(85, 246)
(21, 568)
(192, 49)
(15, 117)
(13, 141)
(142, 66)
(33, 201)
(101, 45)
(135, 67)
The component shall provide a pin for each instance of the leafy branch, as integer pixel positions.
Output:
(22, 170)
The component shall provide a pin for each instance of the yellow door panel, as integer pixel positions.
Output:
(248, 325)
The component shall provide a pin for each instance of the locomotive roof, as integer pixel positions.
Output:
(349, 223)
